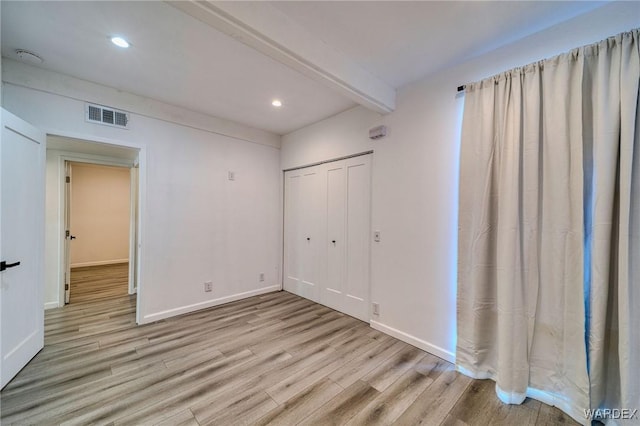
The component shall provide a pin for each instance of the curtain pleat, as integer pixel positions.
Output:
(614, 71)
(548, 254)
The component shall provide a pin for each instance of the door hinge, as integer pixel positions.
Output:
(68, 179)
(66, 287)
(67, 233)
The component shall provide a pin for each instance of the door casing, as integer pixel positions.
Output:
(79, 155)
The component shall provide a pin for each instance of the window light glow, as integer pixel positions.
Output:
(276, 103)
(120, 42)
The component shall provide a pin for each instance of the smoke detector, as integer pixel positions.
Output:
(378, 132)
(28, 57)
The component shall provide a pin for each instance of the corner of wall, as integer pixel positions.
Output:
(156, 316)
(415, 341)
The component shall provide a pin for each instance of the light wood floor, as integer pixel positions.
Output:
(93, 283)
(272, 359)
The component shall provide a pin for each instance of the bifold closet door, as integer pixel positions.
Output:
(346, 287)
(303, 239)
(327, 234)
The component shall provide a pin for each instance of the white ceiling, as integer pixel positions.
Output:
(402, 41)
(174, 58)
(180, 60)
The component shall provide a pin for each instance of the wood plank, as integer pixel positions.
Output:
(245, 409)
(394, 367)
(340, 409)
(551, 416)
(297, 408)
(391, 403)
(432, 406)
(477, 405)
(183, 418)
(525, 414)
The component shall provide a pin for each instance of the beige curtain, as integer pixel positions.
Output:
(549, 257)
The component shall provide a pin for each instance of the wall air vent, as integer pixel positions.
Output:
(106, 115)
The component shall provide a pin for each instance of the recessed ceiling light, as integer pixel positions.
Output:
(120, 42)
(276, 103)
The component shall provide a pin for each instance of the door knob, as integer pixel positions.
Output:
(72, 237)
(308, 238)
(4, 265)
(333, 241)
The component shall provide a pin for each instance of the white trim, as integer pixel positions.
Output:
(206, 304)
(133, 228)
(412, 340)
(51, 305)
(104, 160)
(27, 340)
(99, 263)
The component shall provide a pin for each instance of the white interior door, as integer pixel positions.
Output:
(22, 156)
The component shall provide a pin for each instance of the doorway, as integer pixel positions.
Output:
(98, 216)
(71, 155)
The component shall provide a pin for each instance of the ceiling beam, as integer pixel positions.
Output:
(266, 29)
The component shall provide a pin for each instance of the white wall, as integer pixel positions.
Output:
(196, 225)
(415, 178)
(100, 214)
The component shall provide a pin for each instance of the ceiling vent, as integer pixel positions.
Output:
(106, 115)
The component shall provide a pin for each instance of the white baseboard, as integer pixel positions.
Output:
(206, 304)
(412, 340)
(51, 305)
(99, 263)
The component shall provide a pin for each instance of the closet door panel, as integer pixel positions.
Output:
(333, 291)
(312, 262)
(358, 237)
(292, 237)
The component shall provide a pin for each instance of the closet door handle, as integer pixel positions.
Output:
(308, 238)
(333, 241)
(4, 265)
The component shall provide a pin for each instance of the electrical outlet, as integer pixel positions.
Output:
(376, 309)
(376, 236)
(261, 277)
(208, 286)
